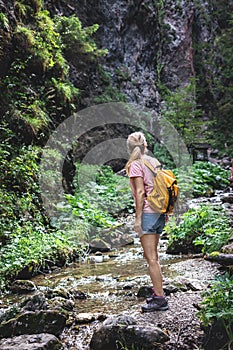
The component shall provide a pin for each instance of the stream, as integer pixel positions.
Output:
(111, 286)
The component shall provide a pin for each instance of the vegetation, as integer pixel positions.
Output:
(98, 201)
(34, 248)
(213, 66)
(202, 179)
(207, 227)
(217, 306)
(181, 109)
(37, 95)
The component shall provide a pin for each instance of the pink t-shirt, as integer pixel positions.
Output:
(138, 169)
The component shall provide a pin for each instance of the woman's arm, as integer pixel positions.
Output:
(140, 195)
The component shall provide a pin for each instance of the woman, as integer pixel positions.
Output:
(148, 224)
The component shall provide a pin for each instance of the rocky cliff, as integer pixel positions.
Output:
(149, 43)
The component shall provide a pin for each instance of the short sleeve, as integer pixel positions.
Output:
(135, 170)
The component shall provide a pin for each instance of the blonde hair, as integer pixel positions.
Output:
(136, 147)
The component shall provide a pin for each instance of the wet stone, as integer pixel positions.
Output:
(100, 245)
(58, 292)
(144, 292)
(227, 198)
(123, 330)
(228, 249)
(84, 317)
(34, 323)
(31, 342)
(22, 287)
(60, 304)
(36, 302)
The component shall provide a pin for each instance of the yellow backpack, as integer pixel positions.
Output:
(165, 192)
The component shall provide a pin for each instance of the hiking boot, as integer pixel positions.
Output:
(155, 304)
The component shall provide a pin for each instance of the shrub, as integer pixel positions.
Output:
(217, 306)
(102, 197)
(202, 179)
(206, 227)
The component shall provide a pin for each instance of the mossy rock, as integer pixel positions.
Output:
(29, 322)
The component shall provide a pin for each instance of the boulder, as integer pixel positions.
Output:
(37, 322)
(22, 287)
(31, 342)
(227, 249)
(100, 245)
(123, 331)
(34, 303)
(125, 239)
(145, 292)
(227, 198)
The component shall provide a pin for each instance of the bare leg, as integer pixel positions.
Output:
(150, 247)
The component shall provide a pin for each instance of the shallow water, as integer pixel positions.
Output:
(108, 282)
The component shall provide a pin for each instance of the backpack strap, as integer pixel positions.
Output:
(150, 166)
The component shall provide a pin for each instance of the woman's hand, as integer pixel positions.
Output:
(138, 226)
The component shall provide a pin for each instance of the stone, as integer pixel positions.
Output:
(100, 245)
(145, 292)
(170, 288)
(22, 287)
(125, 240)
(59, 292)
(84, 317)
(36, 302)
(227, 198)
(227, 249)
(79, 295)
(123, 330)
(34, 323)
(61, 304)
(42, 341)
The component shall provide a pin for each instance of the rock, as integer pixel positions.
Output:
(85, 317)
(77, 294)
(227, 198)
(169, 289)
(216, 336)
(61, 304)
(227, 249)
(31, 342)
(22, 287)
(122, 330)
(125, 239)
(34, 323)
(36, 302)
(58, 292)
(220, 258)
(145, 292)
(121, 320)
(99, 244)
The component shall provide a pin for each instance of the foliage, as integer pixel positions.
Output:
(76, 39)
(163, 155)
(4, 22)
(36, 247)
(182, 111)
(37, 91)
(110, 94)
(205, 226)
(217, 304)
(202, 179)
(102, 197)
(213, 66)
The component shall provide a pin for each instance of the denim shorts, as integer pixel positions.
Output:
(153, 223)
